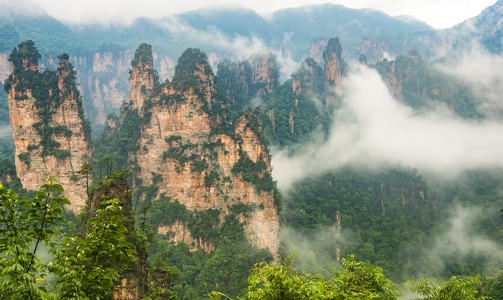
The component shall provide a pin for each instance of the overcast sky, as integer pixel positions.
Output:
(437, 13)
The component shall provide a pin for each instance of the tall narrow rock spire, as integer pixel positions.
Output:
(142, 75)
(51, 134)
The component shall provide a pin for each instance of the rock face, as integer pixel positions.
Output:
(142, 77)
(334, 65)
(316, 51)
(265, 73)
(191, 152)
(51, 135)
(255, 77)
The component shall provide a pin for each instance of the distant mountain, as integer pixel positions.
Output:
(28, 22)
(230, 21)
(290, 29)
(486, 28)
(350, 25)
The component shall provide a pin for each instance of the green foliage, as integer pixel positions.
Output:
(381, 210)
(230, 77)
(9, 37)
(87, 265)
(172, 138)
(143, 55)
(113, 147)
(198, 165)
(333, 47)
(190, 61)
(27, 225)
(162, 278)
(306, 107)
(226, 267)
(494, 287)
(356, 280)
(211, 178)
(4, 107)
(240, 208)
(84, 266)
(456, 288)
(25, 157)
(165, 211)
(205, 224)
(254, 172)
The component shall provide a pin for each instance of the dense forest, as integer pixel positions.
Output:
(353, 231)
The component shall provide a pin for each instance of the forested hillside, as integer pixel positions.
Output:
(222, 170)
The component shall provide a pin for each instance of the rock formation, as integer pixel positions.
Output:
(51, 134)
(316, 51)
(256, 77)
(334, 65)
(191, 152)
(142, 77)
(265, 73)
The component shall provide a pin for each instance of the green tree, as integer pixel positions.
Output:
(34, 253)
(355, 280)
(456, 288)
(26, 226)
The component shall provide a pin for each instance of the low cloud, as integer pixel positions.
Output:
(481, 71)
(373, 129)
(5, 131)
(242, 47)
(459, 241)
(315, 252)
(235, 47)
(12, 9)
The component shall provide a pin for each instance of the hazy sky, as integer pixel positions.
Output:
(437, 13)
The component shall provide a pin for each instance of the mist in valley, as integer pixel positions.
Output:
(374, 131)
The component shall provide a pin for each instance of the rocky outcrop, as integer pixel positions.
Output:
(316, 51)
(265, 73)
(191, 152)
(51, 135)
(133, 278)
(142, 76)
(334, 65)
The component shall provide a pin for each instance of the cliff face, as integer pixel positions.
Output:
(316, 51)
(142, 76)
(184, 155)
(265, 73)
(334, 65)
(102, 77)
(255, 77)
(49, 130)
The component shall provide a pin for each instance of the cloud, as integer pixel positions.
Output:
(95, 11)
(5, 131)
(459, 241)
(242, 47)
(315, 251)
(11, 9)
(481, 71)
(236, 47)
(373, 130)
